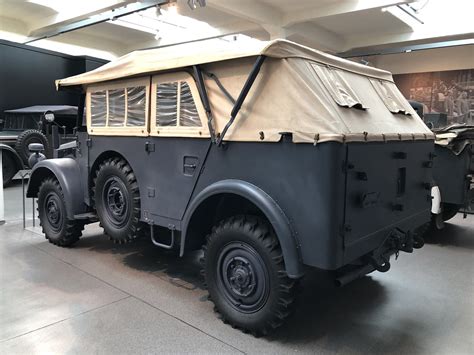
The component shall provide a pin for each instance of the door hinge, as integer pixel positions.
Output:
(89, 142)
(149, 147)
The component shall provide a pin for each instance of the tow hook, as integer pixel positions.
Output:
(382, 265)
(399, 240)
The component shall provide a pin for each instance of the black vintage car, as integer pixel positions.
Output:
(272, 159)
(21, 127)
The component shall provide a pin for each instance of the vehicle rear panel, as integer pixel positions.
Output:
(387, 187)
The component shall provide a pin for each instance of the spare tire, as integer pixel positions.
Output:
(25, 139)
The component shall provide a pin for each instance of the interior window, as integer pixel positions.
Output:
(98, 108)
(116, 107)
(388, 94)
(136, 106)
(188, 114)
(338, 87)
(167, 104)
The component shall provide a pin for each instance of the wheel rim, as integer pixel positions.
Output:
(53, 211)
(243, 277)
(115, 200)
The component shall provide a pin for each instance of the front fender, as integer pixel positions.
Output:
(16, 157)
(66, 171)
(273, 212)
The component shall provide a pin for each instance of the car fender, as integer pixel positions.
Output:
(273, 212)
(67, 172)
(18, 161)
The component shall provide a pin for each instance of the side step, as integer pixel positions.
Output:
(88, 217)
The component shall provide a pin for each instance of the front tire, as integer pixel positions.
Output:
(117, 200)
(245, 275)
(58, 229)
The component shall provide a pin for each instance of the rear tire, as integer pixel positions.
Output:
(117, 200)
(449, 211)
(58, 229)
(25, 139)
(245, 275)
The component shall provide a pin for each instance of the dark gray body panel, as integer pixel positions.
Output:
(307, 182)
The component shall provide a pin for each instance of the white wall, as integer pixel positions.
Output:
(450, 58)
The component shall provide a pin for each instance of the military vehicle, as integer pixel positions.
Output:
(453, 171)
(35, 124)
(272, 157)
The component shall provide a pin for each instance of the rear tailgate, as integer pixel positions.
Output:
(387, 187)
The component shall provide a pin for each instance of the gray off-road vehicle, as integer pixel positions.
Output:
(35, 124)
(272, 158)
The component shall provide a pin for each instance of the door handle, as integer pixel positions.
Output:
(190, 166)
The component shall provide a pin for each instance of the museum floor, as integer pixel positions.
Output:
(101, 298)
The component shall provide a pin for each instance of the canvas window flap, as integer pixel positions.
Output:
(119, 108)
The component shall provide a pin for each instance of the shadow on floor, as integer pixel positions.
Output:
(452, 235)
(321, 310)
(142, 255)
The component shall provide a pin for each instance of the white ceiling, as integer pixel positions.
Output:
(330, 25)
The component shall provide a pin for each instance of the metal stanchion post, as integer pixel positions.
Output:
(33, 210)
(23, 199)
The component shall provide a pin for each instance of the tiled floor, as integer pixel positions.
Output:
(101, 298)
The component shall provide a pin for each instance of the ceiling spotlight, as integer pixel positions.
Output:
(193, 4)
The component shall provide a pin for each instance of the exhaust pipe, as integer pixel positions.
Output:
(354, 275)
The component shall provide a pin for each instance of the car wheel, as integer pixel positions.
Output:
(245, 275)
(57, 228)
(25, 139)
(117, 200)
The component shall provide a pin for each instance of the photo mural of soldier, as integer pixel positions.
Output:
(447, 96)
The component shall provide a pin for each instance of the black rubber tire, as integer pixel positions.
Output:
(58, 229)
(9, 167)
(449, 211)
(254, 242)
(25, 139)
(121, 221)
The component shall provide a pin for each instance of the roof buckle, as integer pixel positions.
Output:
(316, 139)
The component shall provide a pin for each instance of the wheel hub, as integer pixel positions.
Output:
(115, 201)
(53, 211)
(242, 277)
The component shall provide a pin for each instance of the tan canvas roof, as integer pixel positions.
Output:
(184, 55)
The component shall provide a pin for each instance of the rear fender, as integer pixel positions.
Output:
(66, 171)
(266, 204)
